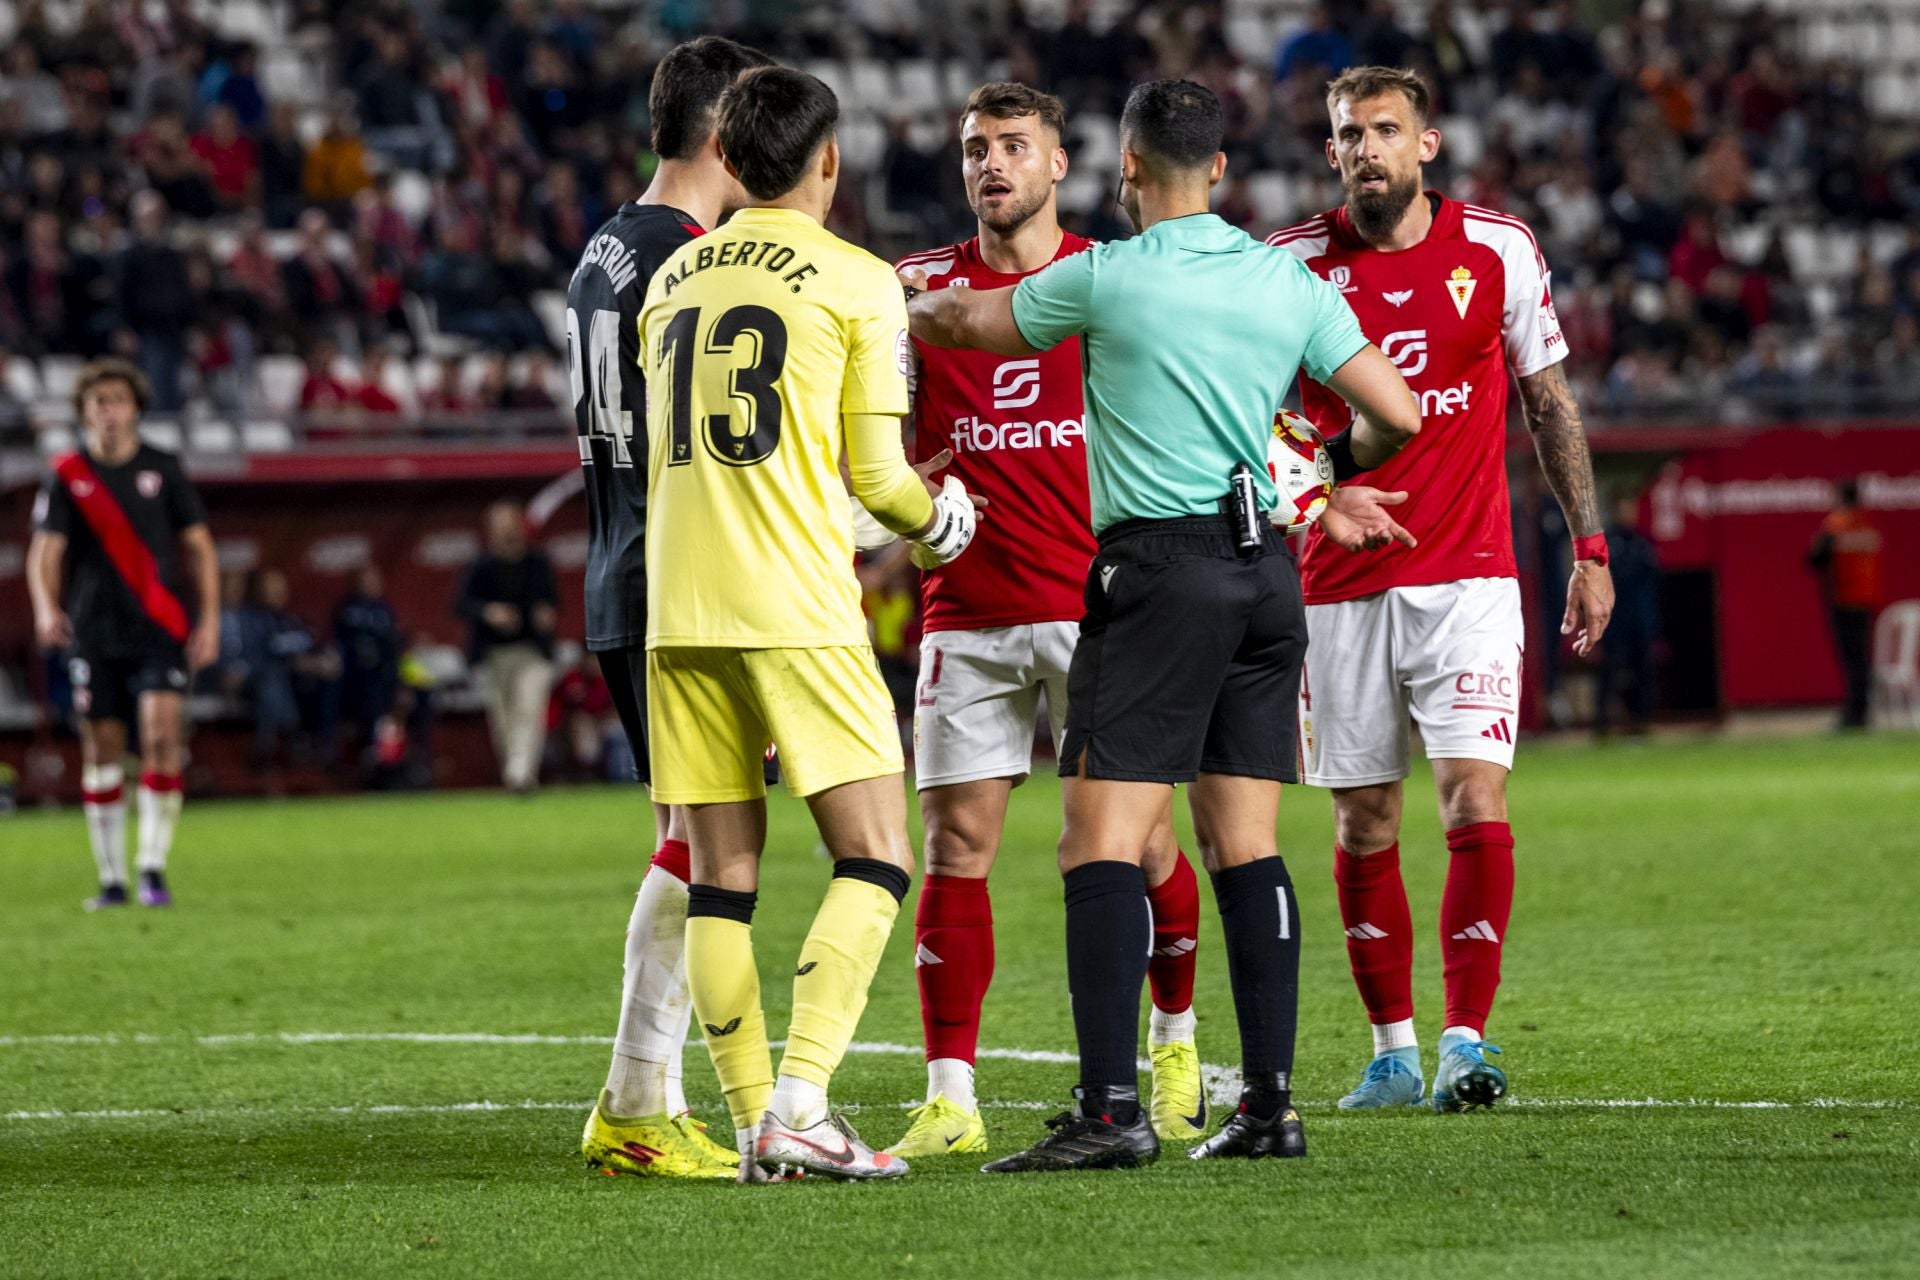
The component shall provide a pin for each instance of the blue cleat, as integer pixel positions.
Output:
(1392, 1080)
(1465, 1079)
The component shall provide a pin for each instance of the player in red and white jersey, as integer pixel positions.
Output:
(1456, 296)
(1000, 627)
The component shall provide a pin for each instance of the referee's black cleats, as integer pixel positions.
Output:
(1247, 1137)
(1086, 1138)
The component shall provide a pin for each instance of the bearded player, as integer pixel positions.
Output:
(1455, 296)
(1000, 628)
(641, 1124)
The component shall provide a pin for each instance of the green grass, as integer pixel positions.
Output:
(1715, 922)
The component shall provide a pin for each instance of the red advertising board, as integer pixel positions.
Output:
(1748, 513)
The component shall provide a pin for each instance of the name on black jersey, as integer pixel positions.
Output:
(612, 257)
(768, 255)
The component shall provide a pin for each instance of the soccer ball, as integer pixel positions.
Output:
(1297, 460)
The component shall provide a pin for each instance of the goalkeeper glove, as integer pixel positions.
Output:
(954, 521)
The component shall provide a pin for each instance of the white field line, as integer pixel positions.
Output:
(1222, 1082)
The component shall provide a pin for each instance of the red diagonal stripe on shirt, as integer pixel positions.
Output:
(131, 558)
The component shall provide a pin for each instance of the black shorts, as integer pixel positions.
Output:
(625, 671)
(109, 687)
(1189, 657)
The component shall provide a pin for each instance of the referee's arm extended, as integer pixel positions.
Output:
(978, 319)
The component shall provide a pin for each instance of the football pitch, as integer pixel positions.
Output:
(365, 1041)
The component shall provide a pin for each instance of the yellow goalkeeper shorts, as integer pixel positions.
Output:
(712, 712)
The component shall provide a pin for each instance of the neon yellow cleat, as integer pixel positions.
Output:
(940, 1128)
(655, 1146)
(1179, 1107)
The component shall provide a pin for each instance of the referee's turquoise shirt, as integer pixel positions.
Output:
(1191, 334)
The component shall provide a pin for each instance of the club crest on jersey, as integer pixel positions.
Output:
(1460, 286)
(148, 483)
(1342, 278)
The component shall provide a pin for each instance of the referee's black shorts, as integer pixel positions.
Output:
(1189, 657)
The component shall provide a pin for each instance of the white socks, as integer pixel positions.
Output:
(1388, 1036)
(1170, 1028)
(644, 1078)
(160, 803)
(103, 791)
(800, 1103)
(1458, 1033)
(953, 1077)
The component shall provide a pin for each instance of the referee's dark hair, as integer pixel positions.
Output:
(773, 121)
(1176, 122)
(687, 86)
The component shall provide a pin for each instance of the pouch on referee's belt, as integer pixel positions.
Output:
(1241, 507)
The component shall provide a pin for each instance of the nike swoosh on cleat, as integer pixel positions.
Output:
(843, 1156)
(805, 969)
(1199, 1118)
(956, 1137)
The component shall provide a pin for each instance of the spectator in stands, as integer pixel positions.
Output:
(324, 391)
(447, 395)
(377, 218)
(231, 159)
(565, 220)
(493, 388)
(283, 166)
(476, 293)
(322, 296)
(54, 290)
(581, 719)
(1381, 41)
(173, 168)
(234, 82)
(372, 396)
(552, 102)
(1319, 44)
(88, 141)
(1696, 253)
(155, 301)
(533, 390)
(376, 278)
(336, 165)
(366, 631)
(510, 604)
(1627, 653)
(1846, 555)
(1762, 374)
(478, 96)
(43, 108)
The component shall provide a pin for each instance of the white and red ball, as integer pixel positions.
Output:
(1297, 460)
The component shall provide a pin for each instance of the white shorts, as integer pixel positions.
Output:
(1449, 654)
(978, 697)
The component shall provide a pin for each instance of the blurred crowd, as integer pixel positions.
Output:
(443, 165)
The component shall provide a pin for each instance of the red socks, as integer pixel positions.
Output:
(1175, 903)
(1473, 918)
(953, 962)
(1373, 910)
(675, 859)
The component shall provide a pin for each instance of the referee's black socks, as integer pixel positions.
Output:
(1109, 937)
(1260, 925)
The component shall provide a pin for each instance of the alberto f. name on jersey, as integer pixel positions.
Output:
(758, 338)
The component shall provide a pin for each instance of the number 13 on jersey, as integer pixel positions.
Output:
(750, 343)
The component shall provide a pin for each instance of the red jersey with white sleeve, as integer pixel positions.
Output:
(1453, 313)
(1016, 428)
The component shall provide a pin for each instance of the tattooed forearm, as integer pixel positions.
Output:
(1561, 442)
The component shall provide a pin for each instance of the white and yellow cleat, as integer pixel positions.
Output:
(941, 1127)
(1179, 1107)
(655, 1146)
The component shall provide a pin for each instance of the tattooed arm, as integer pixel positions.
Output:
(1554, 420)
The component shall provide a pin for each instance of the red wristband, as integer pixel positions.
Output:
(1592, 546)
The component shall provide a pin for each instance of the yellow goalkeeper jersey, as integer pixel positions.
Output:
(756, 339)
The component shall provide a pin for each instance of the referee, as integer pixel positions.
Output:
(1189, 658)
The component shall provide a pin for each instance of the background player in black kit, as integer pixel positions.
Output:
(120, 543)
(643, 1104)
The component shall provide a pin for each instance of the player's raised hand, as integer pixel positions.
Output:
(53, 629)
(1589, 605)
(1356, 519)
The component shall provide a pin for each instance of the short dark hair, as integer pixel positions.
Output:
(687, 86)
(1848, 491)
(773, 120)
(111, 369)
(1360, 83)
(1175, 121)
(1008, 100)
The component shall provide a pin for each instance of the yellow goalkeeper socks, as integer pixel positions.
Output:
(837, 964)
(726, 998)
